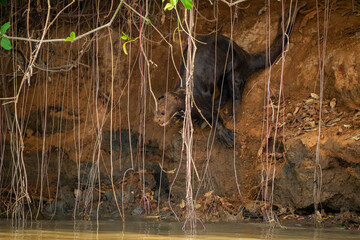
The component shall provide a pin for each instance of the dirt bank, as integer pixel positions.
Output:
(66, 132)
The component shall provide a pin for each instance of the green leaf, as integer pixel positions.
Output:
(5, 43)
(4, 28)
(71, 38)
(3, 3)
(125, 37)
(148, 20)
(168, 6)
(174, 2)
(188, 4)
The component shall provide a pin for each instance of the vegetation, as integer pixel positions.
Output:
(66, 96)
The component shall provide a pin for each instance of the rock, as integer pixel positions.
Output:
(167, 215)
(50, 208)
(127, 196)
(340, 173)
(343, 77)
(109, 195)
(115, 214)
(66, 195)
(120, 139)
(138, 211)
(132, 189)
(154, 177)
(295, 154)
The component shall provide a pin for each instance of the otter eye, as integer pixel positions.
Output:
(163, 113)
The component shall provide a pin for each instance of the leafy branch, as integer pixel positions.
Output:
(5, 42)
(188, 4)
(71, 38)
(126, 38)
(75, 38)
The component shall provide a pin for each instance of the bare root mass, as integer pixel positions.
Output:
(84, 81)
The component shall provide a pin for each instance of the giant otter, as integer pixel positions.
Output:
(232, 62)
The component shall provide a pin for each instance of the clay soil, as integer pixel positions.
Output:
(235, 182)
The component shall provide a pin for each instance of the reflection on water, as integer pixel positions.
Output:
(139, 229)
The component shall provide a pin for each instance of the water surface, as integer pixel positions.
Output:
(141, 229)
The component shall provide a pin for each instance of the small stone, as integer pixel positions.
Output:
(314, 95)
(50, 208)
(109, 195)
(357, 35)
(115, 214)
(138, 211)
(333, 104)
(340, 131)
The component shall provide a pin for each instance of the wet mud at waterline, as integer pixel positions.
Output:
(91, 128)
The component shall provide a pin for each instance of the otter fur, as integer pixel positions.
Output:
(219, 59)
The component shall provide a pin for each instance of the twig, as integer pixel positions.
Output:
(76, 38)
(233, 3)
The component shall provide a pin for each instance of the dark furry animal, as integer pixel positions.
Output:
(219, 59)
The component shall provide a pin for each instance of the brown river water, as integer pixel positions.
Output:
(141, 229)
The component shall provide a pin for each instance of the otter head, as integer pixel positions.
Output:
(174, 102)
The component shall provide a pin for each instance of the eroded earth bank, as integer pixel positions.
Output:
(65, 115)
